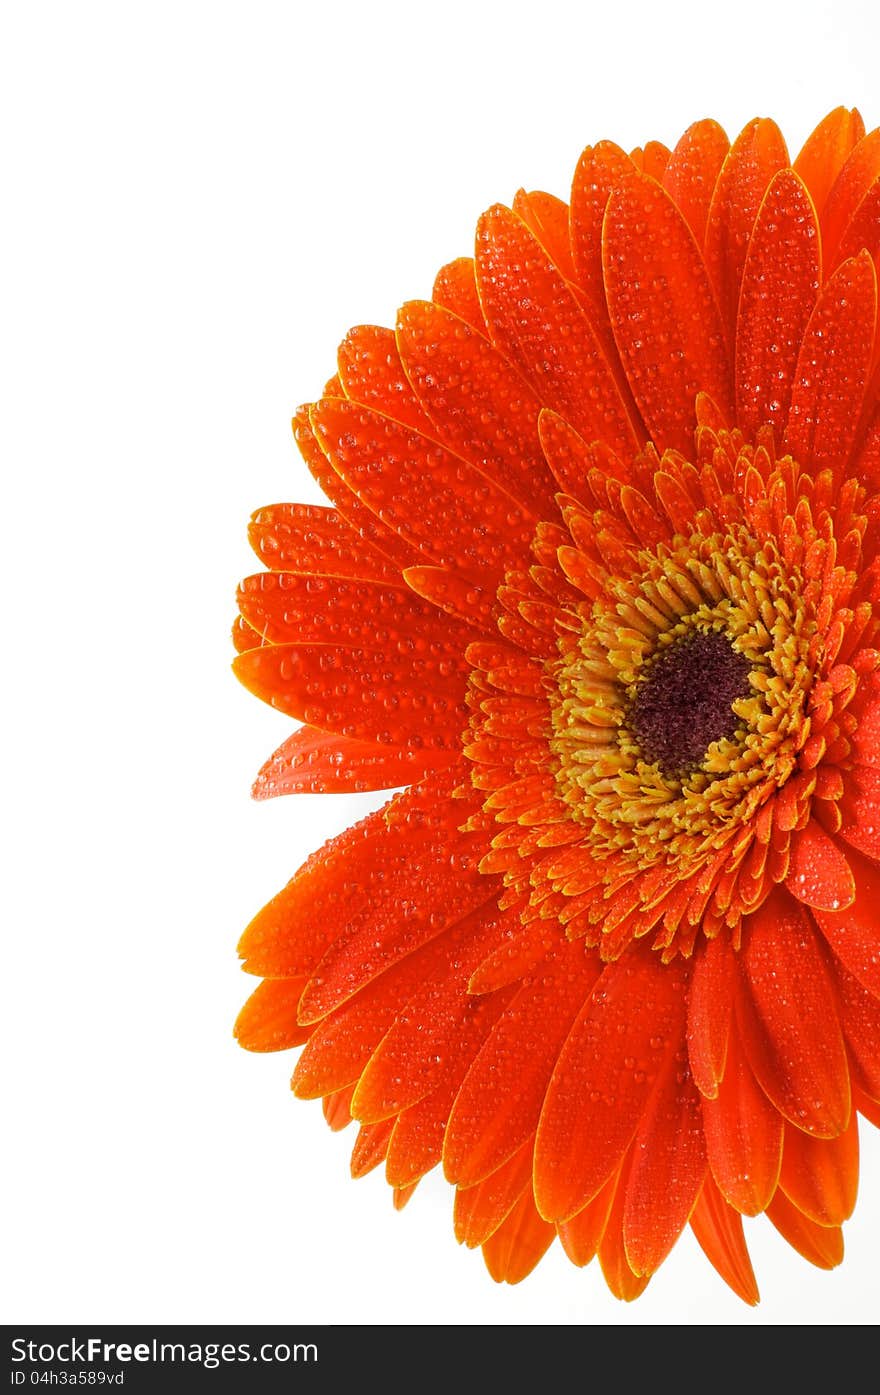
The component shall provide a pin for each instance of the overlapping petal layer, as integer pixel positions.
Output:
(597, 595)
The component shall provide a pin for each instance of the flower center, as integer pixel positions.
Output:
(683, 703)
(678, 707)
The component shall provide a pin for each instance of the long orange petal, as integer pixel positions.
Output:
(455, 288)
(663, 312)
(821, 1175)
(291, 608)
(719, 1232)
(417, 1139)
(513, 1250)
(435, 501)
(483, 408)
(710, 1010)
(538, 323)
(546, 217)
(743, 1136)
(668, 1168)
(581, 1236)
(313, 539)
(604, 1077)
(319, 762)
(852, 931)
(692, 172)
(600, 169)
(500, 1101)
(479, 1210)
(821, 1245)
(755, 156)
(790, 1025)
(341, 884)
(268, 1020)
(850, 187)
(616, 1269)
(780, 283)
(372, 374)
(343, 1042)
(833, 367)
(826, 150)
(414, 1054)
(362, 521)
(410, 701)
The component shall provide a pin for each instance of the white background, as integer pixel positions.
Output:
(199, 200)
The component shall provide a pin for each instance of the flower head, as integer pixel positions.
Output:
(597, 592)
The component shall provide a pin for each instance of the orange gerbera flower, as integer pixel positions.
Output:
(599, 596)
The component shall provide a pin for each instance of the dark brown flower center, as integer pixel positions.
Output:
(683, 703)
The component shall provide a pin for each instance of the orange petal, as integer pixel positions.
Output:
(408, 702)
(361, 521)
(336, 1108)
(320, 762)
(780, 284)
(605, 1075)
(710, 1008)
(341, 1045)
(663, 312)
(438, 889)
(719, 1232)
(537, 322)
(863, 229)
(313, 539)
(581, 1236)
(483, 408)
(755, 156)
(289, 608)
(436, 502)
(860, 1014)
(455, 288)
(791, 1029)
(849, 189)
(852, 932)
(821, 1175)
(743, 1136)
(500, 1100)
(268, 1020)
(370, 1148)
(516, 957)
(546, 217)
(523, 1237)
(668, 1167)
(821, 1245)
(567, 454)
(860, 807)
(832, 368)
(415, 1052)
(600, 169)
(371, 373)
(417, 1141)
(819, 873)
(244, 637)
(692, 172)
(341, 883)
(480, 1210)
(826, 151)
(459, 596)
(616, 1269)
(289, 935)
